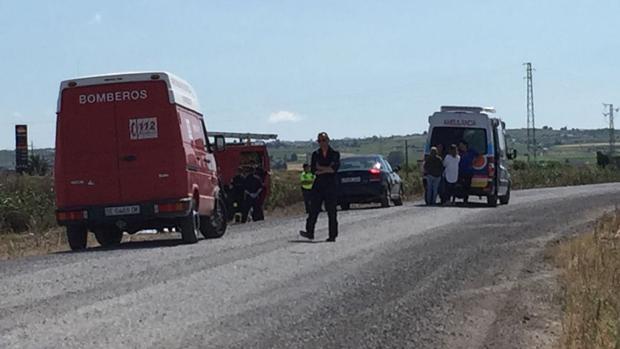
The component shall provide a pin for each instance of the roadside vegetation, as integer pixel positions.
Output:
(590, 282)
(27, 218)
(554, 174)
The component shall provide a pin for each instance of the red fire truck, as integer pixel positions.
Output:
(240, 153)
(132, 154)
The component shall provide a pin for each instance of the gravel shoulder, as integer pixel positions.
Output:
(410, 276)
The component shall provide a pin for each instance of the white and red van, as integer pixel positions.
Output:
(486, 136)
(132, 154)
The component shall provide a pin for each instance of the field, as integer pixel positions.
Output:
(590, 264)
(568, 146)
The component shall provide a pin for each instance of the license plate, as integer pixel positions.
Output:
(350, 180)
(122, 210)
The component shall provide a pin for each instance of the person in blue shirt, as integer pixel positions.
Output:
(466, 169)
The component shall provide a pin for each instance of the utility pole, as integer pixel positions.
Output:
(612, 135)
(406, 155)
(531, 124)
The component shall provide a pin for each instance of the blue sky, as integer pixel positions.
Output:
(351, 68)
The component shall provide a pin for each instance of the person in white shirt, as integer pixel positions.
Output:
(450, 173)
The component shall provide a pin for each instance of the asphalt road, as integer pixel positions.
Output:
(403, 277)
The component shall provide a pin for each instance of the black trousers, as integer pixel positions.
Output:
(257, 209)
(320, 195)
(235, 204)
(448, 192)
(465, 182)
(307, 193)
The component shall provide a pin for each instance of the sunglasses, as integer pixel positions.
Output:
(321, 140)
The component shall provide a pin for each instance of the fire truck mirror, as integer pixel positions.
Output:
(220, 143)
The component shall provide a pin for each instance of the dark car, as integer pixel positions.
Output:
(368, 179)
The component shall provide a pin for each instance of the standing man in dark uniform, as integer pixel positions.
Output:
(325, 164)
(253, 186)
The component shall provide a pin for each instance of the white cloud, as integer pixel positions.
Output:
(283, 116)
(96, 19)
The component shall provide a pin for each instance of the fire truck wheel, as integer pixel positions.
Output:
(215, 226)
(108, 237)
(76, 235)
(190, 227)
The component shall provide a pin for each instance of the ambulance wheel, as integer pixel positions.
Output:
(76, 236)
(506, 198)
(492, 200)
(108, 237)
(190, 227)
(215, 226)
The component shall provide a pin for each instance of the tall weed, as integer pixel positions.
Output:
(26, 203)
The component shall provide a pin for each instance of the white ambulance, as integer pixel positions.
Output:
(486, 136)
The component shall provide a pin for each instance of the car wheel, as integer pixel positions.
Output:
(506, 198)
(345, 207)
(214, 227)
(190, 227)
(77, 236)
(385, 197)
(399, 201)
(108, 237)
(492, 200)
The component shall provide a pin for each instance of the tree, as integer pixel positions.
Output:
(293, 157)
(37, 166)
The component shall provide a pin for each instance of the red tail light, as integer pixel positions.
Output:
(375, 174)
(64, 216)
(172, 207)
(491, 166)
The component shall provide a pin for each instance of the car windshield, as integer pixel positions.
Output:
(359, 163)
(475, 137)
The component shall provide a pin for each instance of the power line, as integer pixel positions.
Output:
(531, 124)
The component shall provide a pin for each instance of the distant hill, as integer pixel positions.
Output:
(551, 145)
(573, 145)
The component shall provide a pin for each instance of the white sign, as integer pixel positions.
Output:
(118, 96)
(122, 210)
(143, 128)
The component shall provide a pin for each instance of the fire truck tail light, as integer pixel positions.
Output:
(172, 207)
(72, 215)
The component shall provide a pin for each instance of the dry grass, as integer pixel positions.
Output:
(15, 245)
(591, 287)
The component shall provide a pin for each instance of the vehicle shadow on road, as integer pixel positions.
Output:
(456, 204)
(300, 241)
(362, 208)
(131, 245)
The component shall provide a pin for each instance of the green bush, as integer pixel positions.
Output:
(412, 181)
(552, 174)
(285, 189)
(26, 203)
